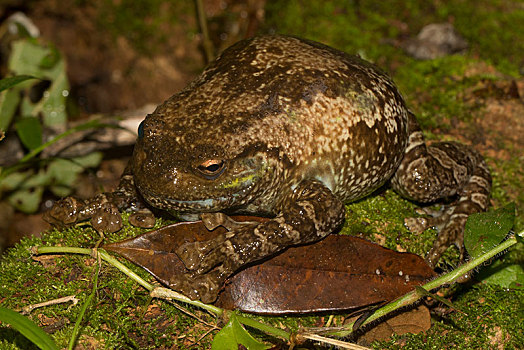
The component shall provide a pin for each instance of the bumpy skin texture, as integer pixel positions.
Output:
(291, 129)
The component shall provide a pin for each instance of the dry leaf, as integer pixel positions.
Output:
(337, 273)
(414, 321)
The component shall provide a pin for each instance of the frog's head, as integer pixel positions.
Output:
(187, 173)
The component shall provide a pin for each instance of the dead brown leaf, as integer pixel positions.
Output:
(414, 321)
(337, 273)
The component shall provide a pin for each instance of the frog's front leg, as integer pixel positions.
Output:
(104, 209)
(309, 213)
(443, 170)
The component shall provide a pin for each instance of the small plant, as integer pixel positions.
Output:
(33, 109)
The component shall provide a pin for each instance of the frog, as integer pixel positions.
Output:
(289, 129)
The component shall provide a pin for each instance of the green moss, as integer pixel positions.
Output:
(380, 218)
(371, 28)
(507, 184)
(490, 320)
(120, 316)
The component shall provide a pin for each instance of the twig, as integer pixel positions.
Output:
(71, 298)
(202, 21)
(331, 341)
(189, 313)
(204, 335)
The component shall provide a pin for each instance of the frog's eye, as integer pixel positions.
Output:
(212, 168)
(141, 130)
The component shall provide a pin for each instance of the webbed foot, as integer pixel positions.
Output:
(449, 224)
(201, 257)
(103, 212)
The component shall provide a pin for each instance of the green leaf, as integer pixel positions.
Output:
(8, 102)
(484, 231)
(26, 189)
(30, 58)
(63, 173)
(503, 274)
(26, 57)
(27, 200)
(14, 180)
(51, 59)
(88, 125)
(234, 334)
(28, 328)
(7, 83)
(30, 132)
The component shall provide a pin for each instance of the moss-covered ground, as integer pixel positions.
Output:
(461, 97)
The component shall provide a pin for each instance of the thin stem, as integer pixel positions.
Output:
(161, 292)
(338, 343)
(113, 261)
(166, 293)
(202, 21)
(76, 329)
(88, 125)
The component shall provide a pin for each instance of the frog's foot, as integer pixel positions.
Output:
(452, 233)
(204, 287)
(200, 257)
(64, 212)
(448, 221)
(102, 213)
(431, 218)
(193, 254)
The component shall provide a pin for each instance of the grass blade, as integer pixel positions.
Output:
(28, 328)
(7, 83)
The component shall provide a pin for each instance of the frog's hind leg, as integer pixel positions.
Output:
(443, 170)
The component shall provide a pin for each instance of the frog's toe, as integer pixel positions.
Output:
(64, 212)
(416, 225)
(208, 287)
(190, 254)
(431, 218)
(185, 284)
(107, 218)
(214, 258)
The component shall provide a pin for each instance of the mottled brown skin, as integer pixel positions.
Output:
(290, 129)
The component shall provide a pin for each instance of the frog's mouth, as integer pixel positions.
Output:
(190, 206)
(234, 197)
